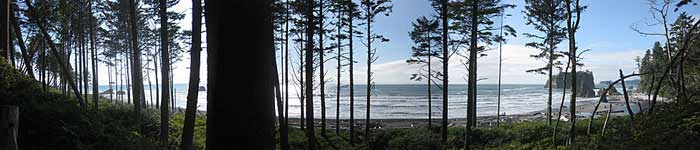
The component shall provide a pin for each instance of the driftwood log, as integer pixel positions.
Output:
(603, 96)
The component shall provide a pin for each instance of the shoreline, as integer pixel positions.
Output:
(583, 112)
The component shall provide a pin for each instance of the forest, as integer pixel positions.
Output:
(312, 74)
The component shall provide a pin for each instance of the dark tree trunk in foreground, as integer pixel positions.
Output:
(571, 28)
(255, 54)
(351, 15)
(93, 54)
(285, 141)
(164, 104)
(321, 73)
(445, 60)
(308, 67)
(193, 89)
(471, 90)
(137, 81)
(67, 75)
(4, 29)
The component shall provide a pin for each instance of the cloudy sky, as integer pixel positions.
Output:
(605, 29)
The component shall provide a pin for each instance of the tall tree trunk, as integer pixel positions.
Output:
(351, 15)
(339, 67)
(471, 93)
(310, 29)
(259, 40)
(445, 62)
(430, 78)
(500, 64)
(165, 58)
(93, 44)
(137, 81)
(571, 28)
(61, 62)
(369, 68)
(5, 28)
(321, 72)
(155, 72)
(193, 91)
(286, 73)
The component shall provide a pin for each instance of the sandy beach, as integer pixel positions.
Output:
(584, 110)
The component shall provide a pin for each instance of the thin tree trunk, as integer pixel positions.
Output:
(193, 91)
(500, 61)
(430, 92)
(164, 113)
(606, 119)
(369, 68)
(22, 47)
(571, 26)
(445, 60)
(95, 79)
(339, 67)
(351, 16)
(321, 73)
(286, 73)
(155, 72)
(561, 105)
(624, 91)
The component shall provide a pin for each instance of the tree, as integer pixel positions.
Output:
(546, 17)
(193, 91)
(136, 65)
(258, 48)
(338, 7)
(352, 13)
(372, 8)
(443, 13)
(5, 28)
(478, 15)
(426, 36)
(165, 58)
(20, 41)
(310, 29)
(61, 62)
(321, 61)
(93, 53)
(571, 27)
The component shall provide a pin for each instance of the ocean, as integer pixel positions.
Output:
(408, 101)
(180, 94)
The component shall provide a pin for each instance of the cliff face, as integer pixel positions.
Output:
(584, 82)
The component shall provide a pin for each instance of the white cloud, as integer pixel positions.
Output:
(516, 60)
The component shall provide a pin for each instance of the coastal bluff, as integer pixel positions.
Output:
(584, 80)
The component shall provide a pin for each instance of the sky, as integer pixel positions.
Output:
(605, 30)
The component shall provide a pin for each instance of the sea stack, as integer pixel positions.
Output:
(584, 80)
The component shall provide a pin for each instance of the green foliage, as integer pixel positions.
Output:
(50, 120)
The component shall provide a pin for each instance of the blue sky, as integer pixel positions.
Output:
(605, 29)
